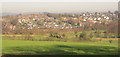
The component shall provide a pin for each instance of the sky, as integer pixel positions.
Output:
(59, 0)
(21, 6)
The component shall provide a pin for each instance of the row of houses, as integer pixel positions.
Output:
(43, 21)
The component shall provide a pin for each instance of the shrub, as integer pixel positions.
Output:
(110, 41)
(83, 35)
(51, 35)
(91, 35)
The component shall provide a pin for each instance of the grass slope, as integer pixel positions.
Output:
(19, 47)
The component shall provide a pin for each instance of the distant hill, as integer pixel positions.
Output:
(31, 13)
(6, 13)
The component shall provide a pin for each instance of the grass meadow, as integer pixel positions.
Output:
(22, 47)
(43, 44)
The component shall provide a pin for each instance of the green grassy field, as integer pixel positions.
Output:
(21, 47)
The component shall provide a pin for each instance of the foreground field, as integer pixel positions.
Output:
(20, 47)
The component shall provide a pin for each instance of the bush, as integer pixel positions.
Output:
(118, 36)
(51, 35)
(110, 41)
(63, 35)
(91, 35)
(83, 35)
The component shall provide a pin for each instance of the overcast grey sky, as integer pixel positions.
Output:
(59, 0)
(21, 7)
